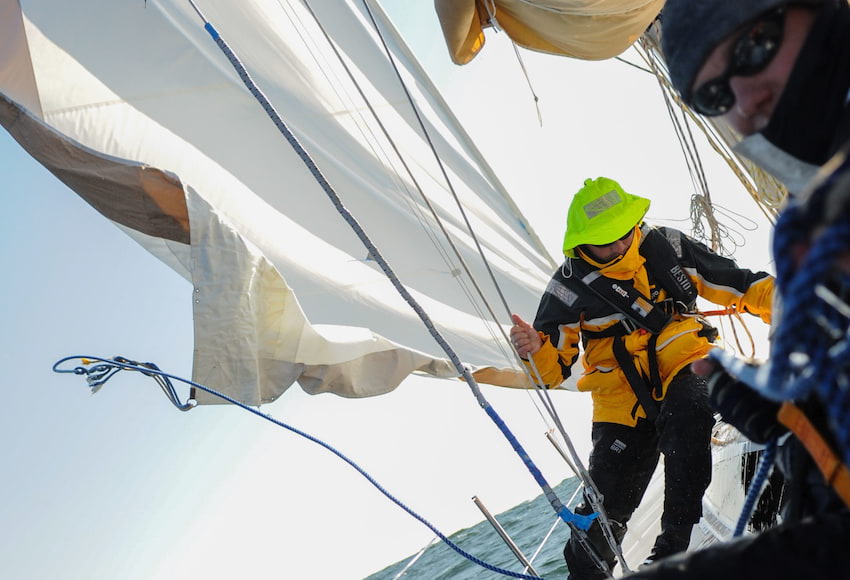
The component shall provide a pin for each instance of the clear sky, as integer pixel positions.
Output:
(121, 485)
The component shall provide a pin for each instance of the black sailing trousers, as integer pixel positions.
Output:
(624, 458)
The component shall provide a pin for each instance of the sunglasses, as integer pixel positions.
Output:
(750, 55)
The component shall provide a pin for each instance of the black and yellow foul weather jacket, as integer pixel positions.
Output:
(572, 311)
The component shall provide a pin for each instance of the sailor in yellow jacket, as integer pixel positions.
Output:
(627, 291)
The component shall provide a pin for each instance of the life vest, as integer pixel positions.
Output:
(662, 263)
(642, 312)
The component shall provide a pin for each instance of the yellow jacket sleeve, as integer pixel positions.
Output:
(721, 281)
(555, 365)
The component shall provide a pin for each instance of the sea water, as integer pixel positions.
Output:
(527, 524)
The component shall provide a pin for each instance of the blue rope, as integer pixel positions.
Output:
(571, 519)
(811, 348)
(756, 485)
(582, 522)
(809, 357)
(99, 374)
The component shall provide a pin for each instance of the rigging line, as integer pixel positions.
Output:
(577, 523)
(542, 543)
(688, 145)
(149, 369)
(692, 148)
(576, 464)
(379, 152)
(528, 81)
(530, 237)
(544, 396)
(637, 66)
(197, 10)
(490, 5)
(554, 525)
(749, 176)
(592, 492)
(545, 399)
(369, 136)
(697, 156)
(415, 558)
(694, 167)
(676, 125)
(439, 160)
(548, 404)
(416, 184)
(739, 318)
(738, 218)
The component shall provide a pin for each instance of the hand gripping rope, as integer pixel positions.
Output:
(99, 370)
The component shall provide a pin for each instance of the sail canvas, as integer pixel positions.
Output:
(181, 156)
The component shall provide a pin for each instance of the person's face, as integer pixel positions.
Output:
(756, 95)
(606, 253)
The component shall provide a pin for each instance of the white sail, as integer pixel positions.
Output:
(142, 84)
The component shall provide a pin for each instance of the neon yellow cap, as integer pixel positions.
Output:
(600, 213)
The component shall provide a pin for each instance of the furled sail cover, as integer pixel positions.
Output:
(133, 106)
(586, 29)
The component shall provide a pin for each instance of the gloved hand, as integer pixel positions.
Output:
(741, 406)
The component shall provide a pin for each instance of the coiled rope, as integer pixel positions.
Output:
(98, 374)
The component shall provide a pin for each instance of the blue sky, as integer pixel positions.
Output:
(76, 464)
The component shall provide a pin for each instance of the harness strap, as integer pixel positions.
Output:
(654, 373)
(637, 381)
(833, 470)
(621, 328)
(621, 295)
(640, 312)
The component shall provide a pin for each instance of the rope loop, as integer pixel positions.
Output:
(118, 363)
